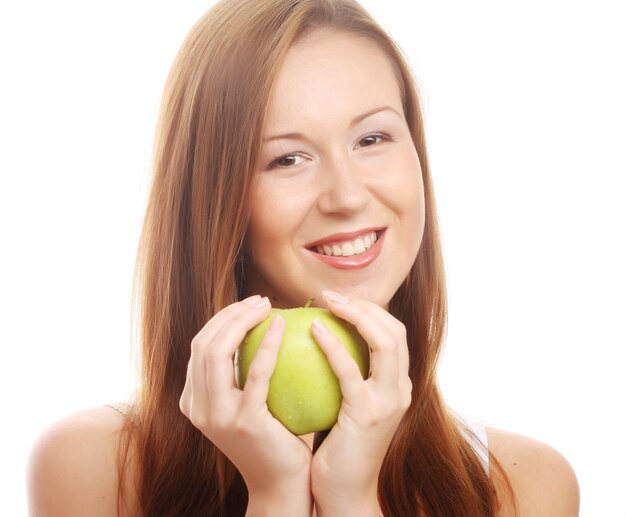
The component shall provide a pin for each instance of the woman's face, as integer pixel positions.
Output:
(337, 199)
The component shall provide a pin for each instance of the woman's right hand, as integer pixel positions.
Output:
(274, 463)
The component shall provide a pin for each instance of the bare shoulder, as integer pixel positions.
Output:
(74, 467)
(543, 481)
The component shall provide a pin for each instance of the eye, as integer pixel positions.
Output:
(288, 160)
(373, 139)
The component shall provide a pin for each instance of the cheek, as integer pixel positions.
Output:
(417, 206)
(414, 216)
(273, 218)
(418, 201)
(405, 188)
(406, 193)
(262, 228)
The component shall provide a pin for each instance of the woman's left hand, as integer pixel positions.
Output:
(345, 468)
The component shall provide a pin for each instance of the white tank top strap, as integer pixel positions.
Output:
(476, 435)
(120, 407)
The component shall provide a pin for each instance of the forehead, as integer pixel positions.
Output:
(331, 72)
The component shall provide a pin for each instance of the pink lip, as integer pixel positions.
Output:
(345, 236)
(356, 261)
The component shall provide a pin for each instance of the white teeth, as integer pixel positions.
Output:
(349, 248)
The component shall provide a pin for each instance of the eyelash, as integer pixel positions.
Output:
(384, 137)
(276, 162)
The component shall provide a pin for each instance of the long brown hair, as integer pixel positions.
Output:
(189, 267)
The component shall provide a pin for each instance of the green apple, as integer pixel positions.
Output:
(304, 392)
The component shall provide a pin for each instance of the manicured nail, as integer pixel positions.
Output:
(263, 302)
(277, 322)
(335, 297)
(251, 300)
(319, 327)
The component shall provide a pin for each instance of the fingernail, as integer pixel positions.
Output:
(276, 323)
(263, 302)
(335, 297)
(319, 327)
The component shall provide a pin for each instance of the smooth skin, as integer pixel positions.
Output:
(73, 467)
(337, 157)
(274, 463)
(354, 172)
(345, 469)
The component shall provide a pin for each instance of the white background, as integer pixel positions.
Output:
(526, 126)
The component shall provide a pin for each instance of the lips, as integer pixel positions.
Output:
(349, 250)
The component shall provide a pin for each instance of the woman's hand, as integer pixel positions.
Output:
(345, 468)
(274, 463)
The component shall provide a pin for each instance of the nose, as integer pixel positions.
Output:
(344, 187)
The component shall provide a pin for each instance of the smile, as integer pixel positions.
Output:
(349, 250)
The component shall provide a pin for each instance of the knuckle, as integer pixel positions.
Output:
(217, 423)
(231, 309)
(212, 354)
(210, 423)
(255, 375)
(375, 420)
(333, 346)
(242, 426)
(242, 317)
(400, 329)
(407, 398)
(260, 367)
(198, 419)
(183, 404)
(390, 346)
(196, 345)
(408, 388)
(348, 370)
(389, 412)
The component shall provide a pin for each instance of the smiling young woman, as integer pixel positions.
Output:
(341, 180)
(290, 163)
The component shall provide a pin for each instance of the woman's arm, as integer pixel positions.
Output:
(73, 468)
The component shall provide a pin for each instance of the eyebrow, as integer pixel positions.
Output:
(353, 122)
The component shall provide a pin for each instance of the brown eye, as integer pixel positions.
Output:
(286, 161)
(372, 139)
(289, 160)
